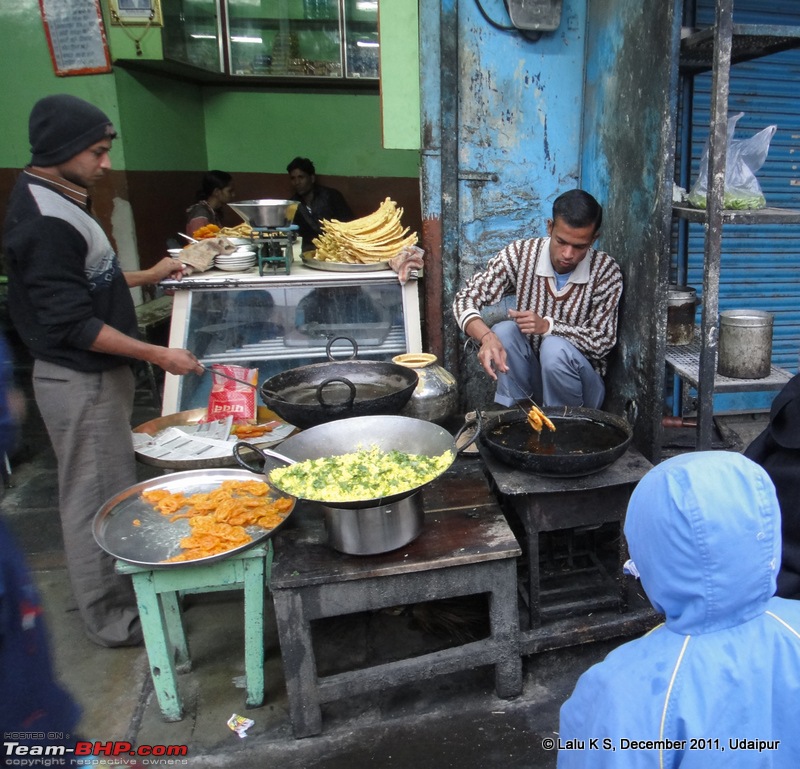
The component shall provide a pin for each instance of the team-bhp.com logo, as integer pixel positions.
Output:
(55, 752)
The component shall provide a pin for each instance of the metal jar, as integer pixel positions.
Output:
(435, 398)
(681, 307)
(745, 344)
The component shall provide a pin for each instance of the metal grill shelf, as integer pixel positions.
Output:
(685, 361)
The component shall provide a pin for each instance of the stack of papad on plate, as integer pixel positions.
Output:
(375, 238)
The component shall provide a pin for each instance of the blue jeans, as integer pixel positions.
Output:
(559, 376)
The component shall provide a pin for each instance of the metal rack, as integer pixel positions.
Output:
(717, 48)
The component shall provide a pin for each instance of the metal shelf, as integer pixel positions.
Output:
(730, 216)
(749, 41)
(685, 361)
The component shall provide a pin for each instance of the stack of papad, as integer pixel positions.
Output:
(378, 237)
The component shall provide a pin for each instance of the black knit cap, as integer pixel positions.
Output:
(62, 126)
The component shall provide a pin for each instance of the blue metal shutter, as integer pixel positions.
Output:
(760, 266)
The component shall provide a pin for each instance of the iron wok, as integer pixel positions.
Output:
(312, 395)
(585, 441)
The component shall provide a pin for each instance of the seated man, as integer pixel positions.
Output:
(316, 202)
(555, 344)
(718, 684)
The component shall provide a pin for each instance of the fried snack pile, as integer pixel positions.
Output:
(206, 231)
(242, 230)
(537, 419)
(217, 518)
(374, 238)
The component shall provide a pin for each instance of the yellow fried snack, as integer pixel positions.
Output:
(218, 518)
(374, 238)
(538, 419)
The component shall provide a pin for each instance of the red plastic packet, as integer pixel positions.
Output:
(233, 398)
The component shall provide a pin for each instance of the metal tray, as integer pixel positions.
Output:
(209, 457)
(158, 538)
(316, 264)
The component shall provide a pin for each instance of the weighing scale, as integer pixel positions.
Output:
(274, 248)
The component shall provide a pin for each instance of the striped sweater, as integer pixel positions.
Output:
(584, 311)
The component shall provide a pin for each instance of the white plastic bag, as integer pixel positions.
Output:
(744, 157)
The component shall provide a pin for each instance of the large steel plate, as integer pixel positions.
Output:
(321, 264)
(157, 538)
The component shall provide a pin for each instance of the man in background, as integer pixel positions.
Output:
(316, 202)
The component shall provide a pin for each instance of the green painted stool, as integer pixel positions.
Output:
(157, 592)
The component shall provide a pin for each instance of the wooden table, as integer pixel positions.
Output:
(543, 504)
(466, 548)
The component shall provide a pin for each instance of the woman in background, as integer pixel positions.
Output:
(215, 191)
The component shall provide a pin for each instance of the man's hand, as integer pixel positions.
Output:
(529, 322)
(168, 268)
(177, 361)
(492, 355)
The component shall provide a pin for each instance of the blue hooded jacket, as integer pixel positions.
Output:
(718, 684)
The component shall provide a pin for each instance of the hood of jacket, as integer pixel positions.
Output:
(704, 531)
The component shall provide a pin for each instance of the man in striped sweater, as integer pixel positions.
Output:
(554, 346)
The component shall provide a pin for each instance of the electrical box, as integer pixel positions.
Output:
(535, 15)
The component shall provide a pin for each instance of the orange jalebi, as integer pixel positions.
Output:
(217, 518)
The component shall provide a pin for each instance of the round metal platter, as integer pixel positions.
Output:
(317, 264)
(156, 538)
(218, 457)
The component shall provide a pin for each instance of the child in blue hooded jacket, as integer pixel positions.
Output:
(718, 684)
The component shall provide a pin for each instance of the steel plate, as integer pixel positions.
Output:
(317, 264)
(157, 538)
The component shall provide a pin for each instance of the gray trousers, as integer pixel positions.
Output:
(560, 376)
(88, 419)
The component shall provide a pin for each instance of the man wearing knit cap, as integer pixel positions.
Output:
(71, 305)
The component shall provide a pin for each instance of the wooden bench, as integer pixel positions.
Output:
(465, 548)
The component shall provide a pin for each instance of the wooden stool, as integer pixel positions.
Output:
(162, 623)
(465, 548)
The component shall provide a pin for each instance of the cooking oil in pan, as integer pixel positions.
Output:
(334, 394)
(572, 436)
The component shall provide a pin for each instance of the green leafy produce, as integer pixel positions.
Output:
(361, 475)
(732, 201)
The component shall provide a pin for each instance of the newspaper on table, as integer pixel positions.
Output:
(206, 440)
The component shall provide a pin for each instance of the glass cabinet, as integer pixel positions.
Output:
(274, 38)
(278, 322)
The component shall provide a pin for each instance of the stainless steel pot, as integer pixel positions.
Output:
(364, 526)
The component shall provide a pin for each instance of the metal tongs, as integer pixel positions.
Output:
(546, 422)
(214, 372)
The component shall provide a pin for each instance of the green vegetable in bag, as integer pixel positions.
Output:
(744, 157)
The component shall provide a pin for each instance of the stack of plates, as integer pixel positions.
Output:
(240, 260)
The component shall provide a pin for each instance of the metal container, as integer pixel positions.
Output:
(435, 398)
(373, 530)
(745, 344)
(266, 213)
(681, 307)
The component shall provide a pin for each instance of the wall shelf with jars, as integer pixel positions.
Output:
(316, 41)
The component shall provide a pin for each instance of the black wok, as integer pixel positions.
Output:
(307, 396)
(584, 442)
(411, 436)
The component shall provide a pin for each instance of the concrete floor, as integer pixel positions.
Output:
(448, 721)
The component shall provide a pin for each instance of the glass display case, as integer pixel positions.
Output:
(274, 38)
(277, 322)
